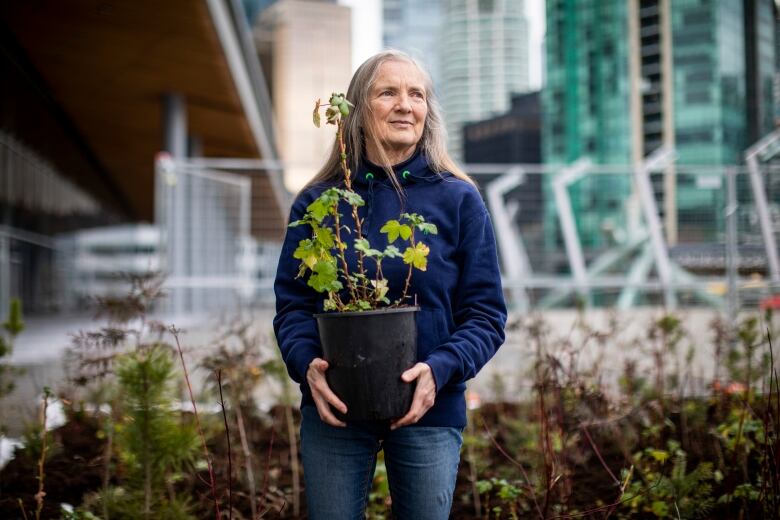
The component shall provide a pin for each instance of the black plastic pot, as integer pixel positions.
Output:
(366, 353)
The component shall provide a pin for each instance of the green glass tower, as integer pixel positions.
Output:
(624, 77)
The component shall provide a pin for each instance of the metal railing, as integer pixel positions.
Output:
(596, 234)
(567, 235)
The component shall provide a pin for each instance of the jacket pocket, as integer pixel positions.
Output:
(430, 331)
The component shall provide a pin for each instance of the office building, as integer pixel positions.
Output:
(415, 27)
(484, 50)
(626, 77)
(512, 137)
(306, 48)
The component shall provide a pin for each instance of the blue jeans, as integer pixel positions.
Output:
(339, 463)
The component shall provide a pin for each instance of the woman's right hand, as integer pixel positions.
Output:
(322, 394)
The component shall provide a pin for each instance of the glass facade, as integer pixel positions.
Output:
(484, 51)
(414, 26)
(586, 101)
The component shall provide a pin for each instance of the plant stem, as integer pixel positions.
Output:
(42, 460)
(250, 474)
(293, 441)
(470, 458)
(409, 274)
(268, 467)
(348, 182)
(107, 456)
(230, 451)
(21, 506)
(342, 256)
(145, 462)
(212, 482)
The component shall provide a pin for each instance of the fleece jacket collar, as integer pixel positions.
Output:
(415, 169)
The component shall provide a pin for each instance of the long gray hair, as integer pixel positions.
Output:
(357, 127)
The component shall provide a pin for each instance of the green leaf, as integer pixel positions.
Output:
(364, 247)
(325, 237)
(344, 108)
(391, 228)
(359, 305)
(307, 252)
(660, 455)
(660, 509)
(428, 228)
(413, 218)
(380, 287)
(484, 486)
(417, 256)
(405, 232)
(14, 325)
(391, 252)
(318, 210)
(323, 205)
(394, 229)
(324, 277)
(352, 198)
(297, 223)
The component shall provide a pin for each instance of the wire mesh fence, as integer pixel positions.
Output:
(203, 217)
(610, 235)
(599, 235)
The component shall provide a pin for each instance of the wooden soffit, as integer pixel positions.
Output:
(108, 64)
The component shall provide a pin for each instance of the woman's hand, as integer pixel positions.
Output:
(322, 394)
(424, 394)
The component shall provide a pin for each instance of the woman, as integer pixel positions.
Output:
(402, 165)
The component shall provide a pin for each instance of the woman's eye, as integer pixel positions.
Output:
(387, 93)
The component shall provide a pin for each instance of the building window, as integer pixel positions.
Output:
(486, 6)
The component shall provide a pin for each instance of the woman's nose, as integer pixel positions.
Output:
(404, 104)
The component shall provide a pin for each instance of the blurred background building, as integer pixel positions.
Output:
(416, 27)
(91, 93)
(306, 49)
(476, 51)
(484, 60)
(625, 78)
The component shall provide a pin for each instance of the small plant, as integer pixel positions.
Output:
(42, 459)
(671, 491)
(505, 493)
(324, 255)
(153, 444)
(12, 327)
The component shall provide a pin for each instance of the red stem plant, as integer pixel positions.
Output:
(212, 481)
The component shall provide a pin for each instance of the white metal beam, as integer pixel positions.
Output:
(656, 161)
(514, 256)
(765, 149)
(238, 68)
(568, 224)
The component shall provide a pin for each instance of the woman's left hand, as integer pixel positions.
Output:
(424, 394)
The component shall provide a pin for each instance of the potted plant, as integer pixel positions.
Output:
(367, 339)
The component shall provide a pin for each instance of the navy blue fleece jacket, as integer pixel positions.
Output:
(461, 322)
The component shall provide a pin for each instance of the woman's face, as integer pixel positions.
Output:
(398, 108)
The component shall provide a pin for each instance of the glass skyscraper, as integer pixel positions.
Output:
(475, 50)
(414, 26)
(484, 61)
(625, 77)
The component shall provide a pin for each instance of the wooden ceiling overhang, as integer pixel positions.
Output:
(108, 65)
